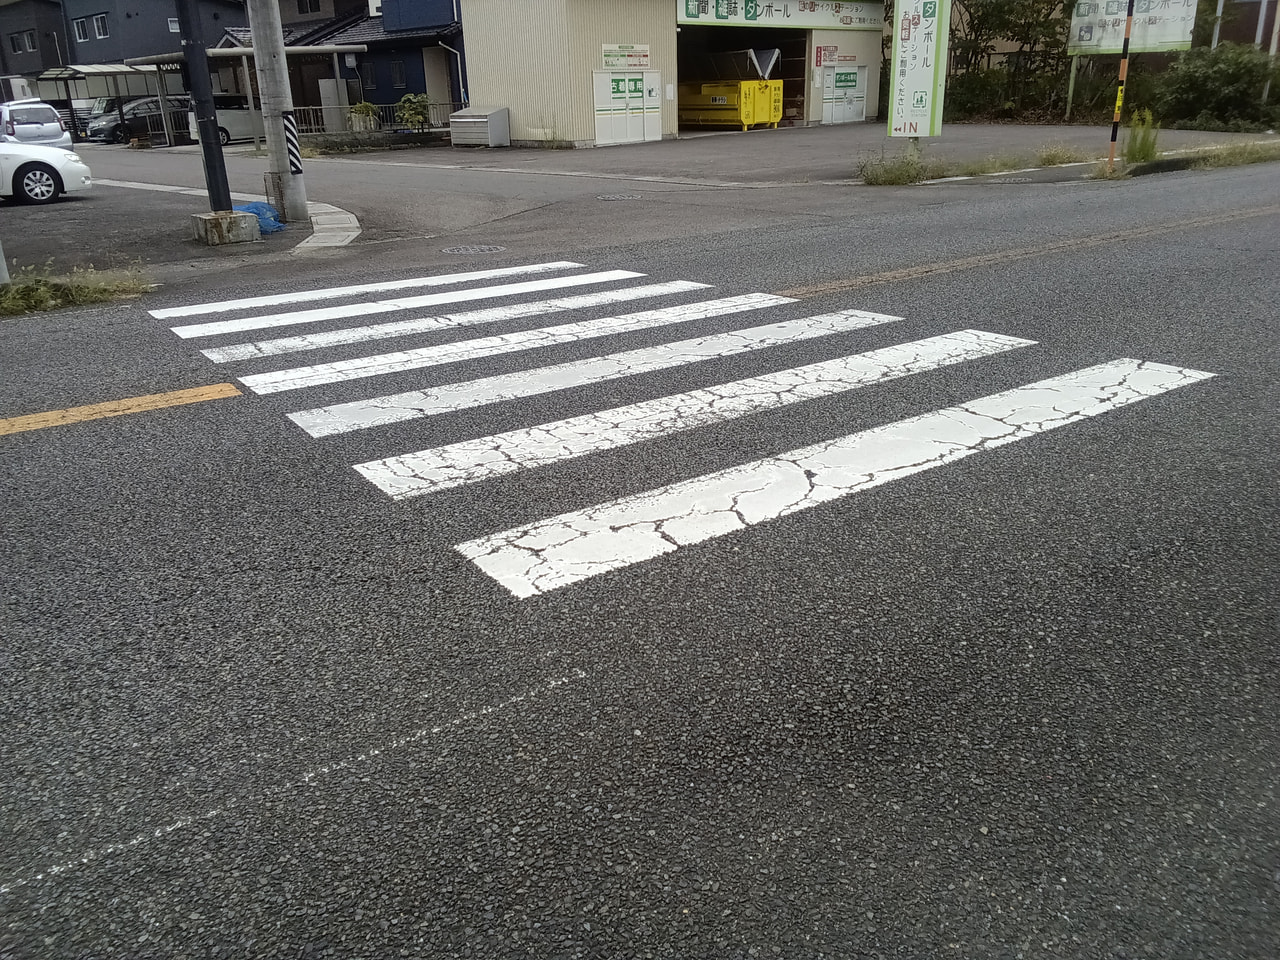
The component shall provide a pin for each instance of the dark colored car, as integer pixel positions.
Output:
(141, 119)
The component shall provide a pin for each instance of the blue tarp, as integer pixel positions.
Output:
(268, 216)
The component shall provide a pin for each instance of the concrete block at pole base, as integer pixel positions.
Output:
(225, 226)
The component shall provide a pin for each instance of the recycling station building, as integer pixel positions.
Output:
(598, 72)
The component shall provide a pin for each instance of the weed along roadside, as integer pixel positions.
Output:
(1140, 157)
(34, 289)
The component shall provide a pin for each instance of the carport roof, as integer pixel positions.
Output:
(74, 71)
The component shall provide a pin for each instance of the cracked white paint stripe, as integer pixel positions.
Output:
(558, 551)
(427, 471)
(396, 408)
(333, 293)
(402, 328)
(402, 360)
(294, 317)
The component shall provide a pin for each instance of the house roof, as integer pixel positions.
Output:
(369, 30)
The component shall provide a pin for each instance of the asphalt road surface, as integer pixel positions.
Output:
(719, 573)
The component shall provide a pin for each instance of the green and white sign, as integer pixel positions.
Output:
(1097, 26)
(918, 67)
(798, 14)
(626, 56)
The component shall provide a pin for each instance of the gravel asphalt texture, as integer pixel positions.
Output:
(1024, 705)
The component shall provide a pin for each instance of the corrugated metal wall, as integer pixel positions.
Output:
(535, 57)
(518, 57)
(593, 23)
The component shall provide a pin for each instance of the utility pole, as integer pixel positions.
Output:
(283, 153)
(215, 168)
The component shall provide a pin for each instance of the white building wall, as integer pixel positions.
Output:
(592, 24)
(853, 48)
(518, 58)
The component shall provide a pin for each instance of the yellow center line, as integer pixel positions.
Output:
(117, 408)
(1022, 253)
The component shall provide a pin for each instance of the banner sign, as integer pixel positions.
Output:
(1097, 26)
(800, 14)
(918, 67)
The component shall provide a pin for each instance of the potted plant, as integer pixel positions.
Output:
(414, 111)
(363, 116)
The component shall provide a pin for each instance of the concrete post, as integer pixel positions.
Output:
(277, 101)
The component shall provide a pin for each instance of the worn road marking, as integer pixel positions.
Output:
(289, 319)
(359, 367)
(558, 551)
(402, 328)
(117, 408)
(290, 790)
(428, 471)
(1022, 253)
(330, 293)
(399, 407)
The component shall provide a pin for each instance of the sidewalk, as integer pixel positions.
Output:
(791, 155)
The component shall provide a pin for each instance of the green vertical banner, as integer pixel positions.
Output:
(918, 67)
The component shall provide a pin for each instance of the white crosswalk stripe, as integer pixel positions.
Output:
(557, 551)
(404, 328)
(397, 408)
(427, 471)
(333, 293)
(297, 317)
(402, 360)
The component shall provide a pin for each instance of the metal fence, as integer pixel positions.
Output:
(342, 119)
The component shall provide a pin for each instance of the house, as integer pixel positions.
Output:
(33, 37)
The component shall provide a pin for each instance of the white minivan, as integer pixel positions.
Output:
(235, 120)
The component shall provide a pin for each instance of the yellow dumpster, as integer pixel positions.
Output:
(737, 103)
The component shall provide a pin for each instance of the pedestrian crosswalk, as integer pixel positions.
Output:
(556, 551)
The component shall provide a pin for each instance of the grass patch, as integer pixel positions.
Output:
(36, 288)
(1104, 172)
(1235, 155)
(993, 164)
(899, 171)
(1054, 153)
(1140, 144)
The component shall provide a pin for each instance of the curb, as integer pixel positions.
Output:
(330, 226)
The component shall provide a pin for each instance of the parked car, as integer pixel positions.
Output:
(235, 120)
(30, 173)
(32, 121)
(141, 119)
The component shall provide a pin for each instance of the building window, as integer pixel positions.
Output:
(308, 6)
(15, 43)
(29, 37)
(397, 74)
(173, 25)
(100, 26)
(367, 79)
(82, 29)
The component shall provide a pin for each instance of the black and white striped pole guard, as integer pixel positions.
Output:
(292, 145)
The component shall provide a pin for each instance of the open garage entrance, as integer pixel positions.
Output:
(698, 62)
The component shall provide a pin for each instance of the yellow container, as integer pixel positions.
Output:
(736, 103)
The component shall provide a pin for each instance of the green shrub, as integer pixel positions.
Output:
(414, 111)
(978, 94)
(1222, 86)
(898, 171)
(1140, 144)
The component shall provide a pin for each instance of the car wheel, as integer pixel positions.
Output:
(119, 134)
(36, 183)
(224, 137)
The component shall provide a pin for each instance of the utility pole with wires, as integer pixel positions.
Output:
(283, 149)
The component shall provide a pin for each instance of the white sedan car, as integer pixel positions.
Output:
(35, 174)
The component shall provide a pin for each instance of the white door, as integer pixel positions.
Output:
(628, 106)
(844, 94)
